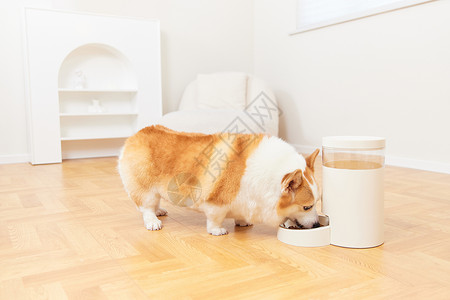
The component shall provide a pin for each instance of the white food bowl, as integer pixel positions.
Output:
(314, 237)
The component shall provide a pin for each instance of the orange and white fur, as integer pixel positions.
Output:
(262, 180)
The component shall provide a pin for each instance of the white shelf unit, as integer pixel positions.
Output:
(62, 90)
(101, 68)
(96, 114)
(81, 138)
(73, 58)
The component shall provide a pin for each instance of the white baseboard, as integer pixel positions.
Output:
(403, 162)
(426, 165)
(14, 158)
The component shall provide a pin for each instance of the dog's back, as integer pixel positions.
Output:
(156, 155)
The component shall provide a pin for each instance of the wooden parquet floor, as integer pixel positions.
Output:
(68, 231)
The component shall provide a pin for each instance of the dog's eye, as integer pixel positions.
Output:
(307, 207)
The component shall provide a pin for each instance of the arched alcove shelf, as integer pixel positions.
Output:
(96, 67)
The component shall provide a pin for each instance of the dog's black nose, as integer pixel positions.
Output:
(298, 224)
(315, 225)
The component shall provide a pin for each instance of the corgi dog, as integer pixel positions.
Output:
(253, 178)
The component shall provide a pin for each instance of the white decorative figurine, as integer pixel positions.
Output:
(96, 107)
(80, 80)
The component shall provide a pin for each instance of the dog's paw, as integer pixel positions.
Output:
(153, 224)
(161, 212)
(242, 223)
(218, 231)
(290, 224)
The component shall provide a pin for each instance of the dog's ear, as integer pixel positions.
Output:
(311, 159)
(291, 181)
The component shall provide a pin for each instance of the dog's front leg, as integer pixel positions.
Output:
(214, 219)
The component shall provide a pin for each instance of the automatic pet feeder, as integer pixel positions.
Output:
(352, 200)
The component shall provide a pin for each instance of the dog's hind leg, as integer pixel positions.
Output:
(150, 210)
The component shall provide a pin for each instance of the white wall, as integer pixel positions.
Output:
(197, 36)
(386, 75)
(13, 129)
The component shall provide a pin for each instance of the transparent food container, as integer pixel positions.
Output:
(353, 173)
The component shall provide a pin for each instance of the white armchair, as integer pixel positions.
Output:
(225, 102)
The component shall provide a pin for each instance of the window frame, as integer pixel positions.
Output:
(395, 5)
